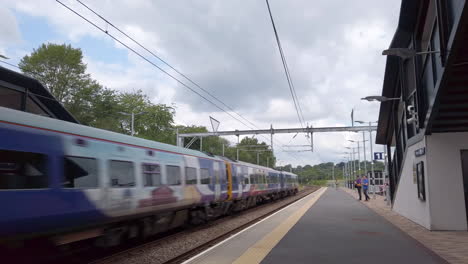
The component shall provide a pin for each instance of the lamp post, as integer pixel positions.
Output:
(359, 154)
(132, 114)
(405, 53)
(348, 169)
(353, 165)
(372, 153)
(379, 98)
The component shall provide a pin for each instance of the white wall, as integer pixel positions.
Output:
(445, 180)
(406, 200)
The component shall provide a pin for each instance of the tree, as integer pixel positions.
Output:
(59, 67)
(156, 121)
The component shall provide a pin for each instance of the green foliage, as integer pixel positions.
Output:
(325, 171)
(59, 67)
(318, 182)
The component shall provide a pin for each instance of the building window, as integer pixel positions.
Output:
(151, 174)
(173, 175)
(204, 176)
(122, 173)
(436, 57)
(10, 98)
(35, 108)
(190, 175)
(80, 172)
(22, 170)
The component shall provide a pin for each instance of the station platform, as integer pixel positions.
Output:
(327, 226)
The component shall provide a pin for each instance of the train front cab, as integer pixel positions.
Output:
(31, 165)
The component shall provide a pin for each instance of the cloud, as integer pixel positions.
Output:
(9, 31)
(228, 47)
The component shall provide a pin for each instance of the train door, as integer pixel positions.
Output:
(83, 171)
(240, 180)
(122, 185)
(217, 182)
(229, 180)
(282, 176)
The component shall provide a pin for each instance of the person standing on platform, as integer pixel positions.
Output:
(365, 187)
(357, 184)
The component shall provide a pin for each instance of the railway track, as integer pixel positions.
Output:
(183, 253)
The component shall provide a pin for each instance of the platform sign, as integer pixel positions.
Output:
(378, 156)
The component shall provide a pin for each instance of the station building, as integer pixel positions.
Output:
(425, 125)
(21, 92)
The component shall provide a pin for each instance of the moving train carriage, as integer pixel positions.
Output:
(58, 177)
(289, 181)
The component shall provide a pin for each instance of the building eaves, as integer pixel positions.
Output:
(401, 39)
(35, 87)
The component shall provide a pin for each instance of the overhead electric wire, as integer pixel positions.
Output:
(153, 64)
(286, 70)
(150, 62)
(163, 61)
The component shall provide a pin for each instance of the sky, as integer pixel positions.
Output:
(332, 47)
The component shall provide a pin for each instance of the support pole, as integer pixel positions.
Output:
(177, 141)
(133, 122)
(359, 158)
(223, 149)
(387, 187)
(364, 150)
(271, 137)
(201, 143)
(372, 159)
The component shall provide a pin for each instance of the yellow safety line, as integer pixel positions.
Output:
(258, 252)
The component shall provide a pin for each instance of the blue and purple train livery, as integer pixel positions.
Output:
(60, 179)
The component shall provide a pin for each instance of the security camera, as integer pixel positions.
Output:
(411, 109)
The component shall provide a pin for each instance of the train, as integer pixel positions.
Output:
(67, 182)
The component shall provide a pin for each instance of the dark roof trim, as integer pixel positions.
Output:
(406, 25)
(32, 85)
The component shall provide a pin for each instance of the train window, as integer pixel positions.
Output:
(234, 178)
(246, 179)
(204, 176)
(122, 173)
(151, 174)
(22, 170)
(190, 175)
(173, 175)
(80, 172)
(253, 178)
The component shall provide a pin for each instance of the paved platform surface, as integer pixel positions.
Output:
(451, 245)
(340, 229)
(329, 226)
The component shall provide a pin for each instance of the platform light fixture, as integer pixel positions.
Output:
(379, 98)
(406, 53)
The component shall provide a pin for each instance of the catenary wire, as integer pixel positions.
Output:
(165, 62)
(153, 64)
(285, 66)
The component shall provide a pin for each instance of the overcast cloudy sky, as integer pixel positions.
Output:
(332, 47)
